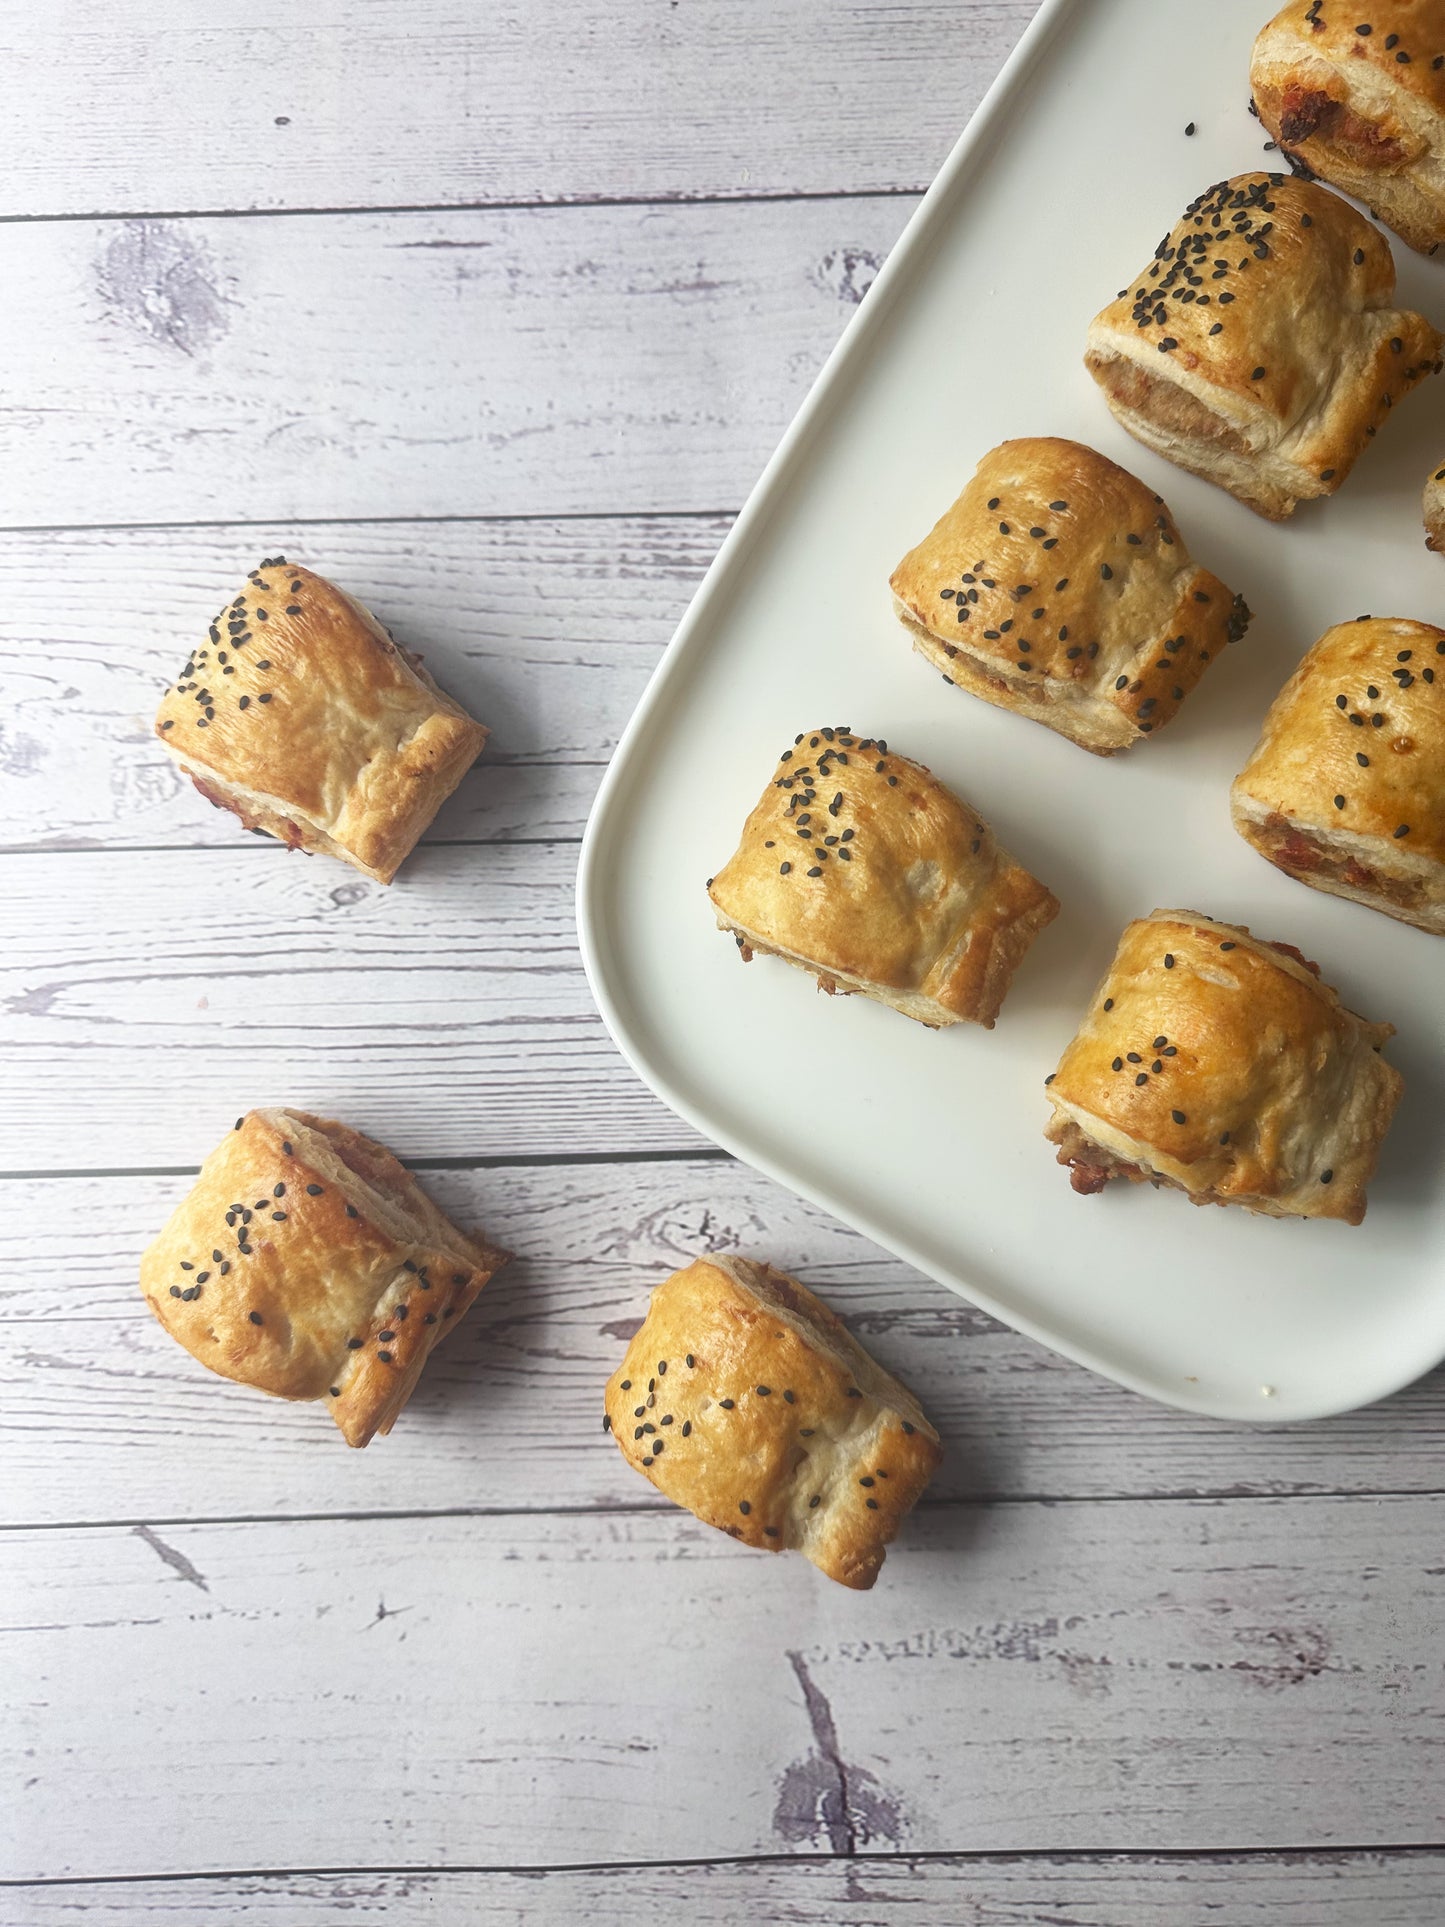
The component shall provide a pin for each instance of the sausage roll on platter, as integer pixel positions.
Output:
(300, 714)
(1261, 347)
(1356, 95)
(1345, 789)
(1058, 586)
(308, 1262)
(746, 1400)
(1434, 507)
(859, 866)
(1223, 1066)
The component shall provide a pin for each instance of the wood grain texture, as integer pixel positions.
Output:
(145, 1001)
(556, 1689)
(424, 102)
(546, 630)
(540, 361)
(1399, 1889)
(94, 1395)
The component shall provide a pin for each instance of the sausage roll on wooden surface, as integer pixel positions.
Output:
(1059, 586)
(861, 867)
(1434, 508)
(1260, 347)
(746, 1400)
(301, 715)
(1357, 96)
(307, 1262)
(1221, 1065)
(1345, 788)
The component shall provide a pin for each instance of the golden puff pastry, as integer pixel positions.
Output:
(861, 867)
(302, 716)
(307, 1262)
(1059, 586)
(1356, 95)
(1345, 788)
(1434, 508)
(745, 1399)
(1219, 1064)
(1259, 348)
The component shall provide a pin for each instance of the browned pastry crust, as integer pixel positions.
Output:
(308, 1262)
(745, 1399)
(1259, 348)
(1058, 586)
(1219, 1064)
(1434, 508)
(861, 867)
(1357, 96)
(1345, 789)
(302, 716)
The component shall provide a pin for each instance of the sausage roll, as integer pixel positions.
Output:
(307, 1262)
(746, 1400)
(301, 715)
(1259, 348)
(1058, 586)
(1345, 789)
(859, 866)
(1434, 507)
(1221, 1065)
(1360, 101)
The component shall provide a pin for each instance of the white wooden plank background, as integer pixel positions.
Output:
(1396, 1889)
(500, 362)
(400, 102)
(1032, 1677)
(277, 279)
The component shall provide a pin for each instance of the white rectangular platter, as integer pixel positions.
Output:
(931, 1143)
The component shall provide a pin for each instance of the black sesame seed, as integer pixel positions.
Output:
(1404, 830)
(256, 1318)
(743, 1506)
(1327, 1177)
(1168, 962)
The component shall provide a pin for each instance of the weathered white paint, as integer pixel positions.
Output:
(547, 630)
(482, 1692)
(1399, 1889)
(535, 361)
(260, 104)
(94, 1395)
(146, 999)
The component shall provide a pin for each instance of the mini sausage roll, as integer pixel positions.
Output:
(302, 716)
(1058, 586)
(1345, 789)
(1219, 1064)
(307, 1262)
(1259, 348)
(1358, 97)
(861, 867)
(1434, 508)
(747, 1401)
